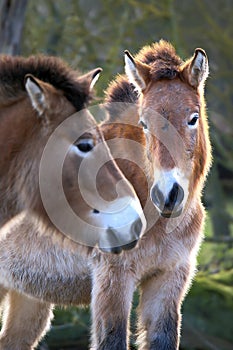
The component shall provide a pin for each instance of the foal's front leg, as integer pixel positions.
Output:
(25, 321)
(159, 310)
(112, 295)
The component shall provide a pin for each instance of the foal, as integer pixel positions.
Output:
(174, 153)
(43, 245)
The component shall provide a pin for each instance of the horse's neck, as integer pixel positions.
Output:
(15, 123)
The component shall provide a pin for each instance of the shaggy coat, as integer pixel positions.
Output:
(39, 263)
(160, 88)
(163, 263)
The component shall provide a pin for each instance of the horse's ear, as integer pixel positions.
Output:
(89, 79)
(197, 69)
(35, 92)
(138, 73)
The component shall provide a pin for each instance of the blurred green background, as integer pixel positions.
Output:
(91, 33)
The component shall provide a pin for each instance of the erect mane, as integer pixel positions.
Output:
(119, 90)
(162, 59)
(164, 63)
(46, 68)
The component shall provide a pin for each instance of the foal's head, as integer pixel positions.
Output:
(56, 157)
(172, 115)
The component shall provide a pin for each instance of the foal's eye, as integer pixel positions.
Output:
(143, 124)
(84, 145)
(193, 120)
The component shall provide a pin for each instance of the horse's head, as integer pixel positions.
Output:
(83, 191)
(172, 115)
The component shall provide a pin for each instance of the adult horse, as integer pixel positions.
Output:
(165, 95)
(43, 255)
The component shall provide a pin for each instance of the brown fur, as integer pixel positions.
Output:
(40, 265)
(162, 59)
(163, 263)
(48, 69)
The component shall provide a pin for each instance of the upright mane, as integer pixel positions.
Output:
(48, 69)
(119, 90)
(164, 63)
(162, 59)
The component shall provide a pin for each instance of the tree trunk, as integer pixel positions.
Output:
(12, 13)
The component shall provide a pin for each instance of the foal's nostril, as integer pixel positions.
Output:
(175, 196)
(136, 228)
(173, 200)
(157, 197)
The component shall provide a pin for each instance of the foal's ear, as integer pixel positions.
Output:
(35, 92)
(138, 73)
(89, 79)
(197, 68)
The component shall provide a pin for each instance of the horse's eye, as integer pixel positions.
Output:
(143, 124)
(84, 145)
(193, 120)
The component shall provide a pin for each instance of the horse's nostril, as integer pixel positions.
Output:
(95, 211)
(136, 227)
(180, 196)
(171, 202)
(175, 197)
(157, 197)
